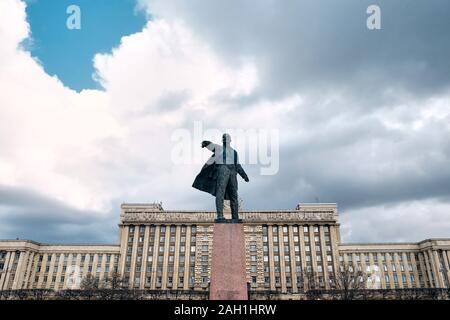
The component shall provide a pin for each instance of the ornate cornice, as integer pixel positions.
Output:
(140, 215)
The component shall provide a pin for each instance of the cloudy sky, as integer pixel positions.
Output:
(87, 117)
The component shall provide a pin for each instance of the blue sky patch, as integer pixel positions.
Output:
(68, 53)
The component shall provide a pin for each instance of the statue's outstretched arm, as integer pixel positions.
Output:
(209, 145)
(205, 143)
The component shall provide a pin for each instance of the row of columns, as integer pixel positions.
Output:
(125, 233)
(302, 253)
(23, 277)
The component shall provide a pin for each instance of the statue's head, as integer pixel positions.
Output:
(226, 138)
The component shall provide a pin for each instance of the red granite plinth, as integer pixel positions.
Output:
(228, 274)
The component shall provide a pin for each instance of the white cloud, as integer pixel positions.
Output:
(91, 147)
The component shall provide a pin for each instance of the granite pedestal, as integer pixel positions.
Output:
(228, 273)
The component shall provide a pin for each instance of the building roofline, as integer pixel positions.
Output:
(391, 243)
(60, 244)
(376, 243)
(434, 239)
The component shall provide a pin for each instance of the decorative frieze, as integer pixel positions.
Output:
(291, 216)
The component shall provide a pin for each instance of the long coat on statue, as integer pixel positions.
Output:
(206, 180)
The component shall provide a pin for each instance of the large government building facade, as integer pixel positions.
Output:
(171, 250)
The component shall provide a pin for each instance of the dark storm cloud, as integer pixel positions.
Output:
(361, 164)
(309, 44)
(26, 214)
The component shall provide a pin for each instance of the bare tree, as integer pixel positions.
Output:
(348, 282)
(310, 283)
(110, 287)
(89, 285)
(113, 282)
(301, 281)
(310, 280)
